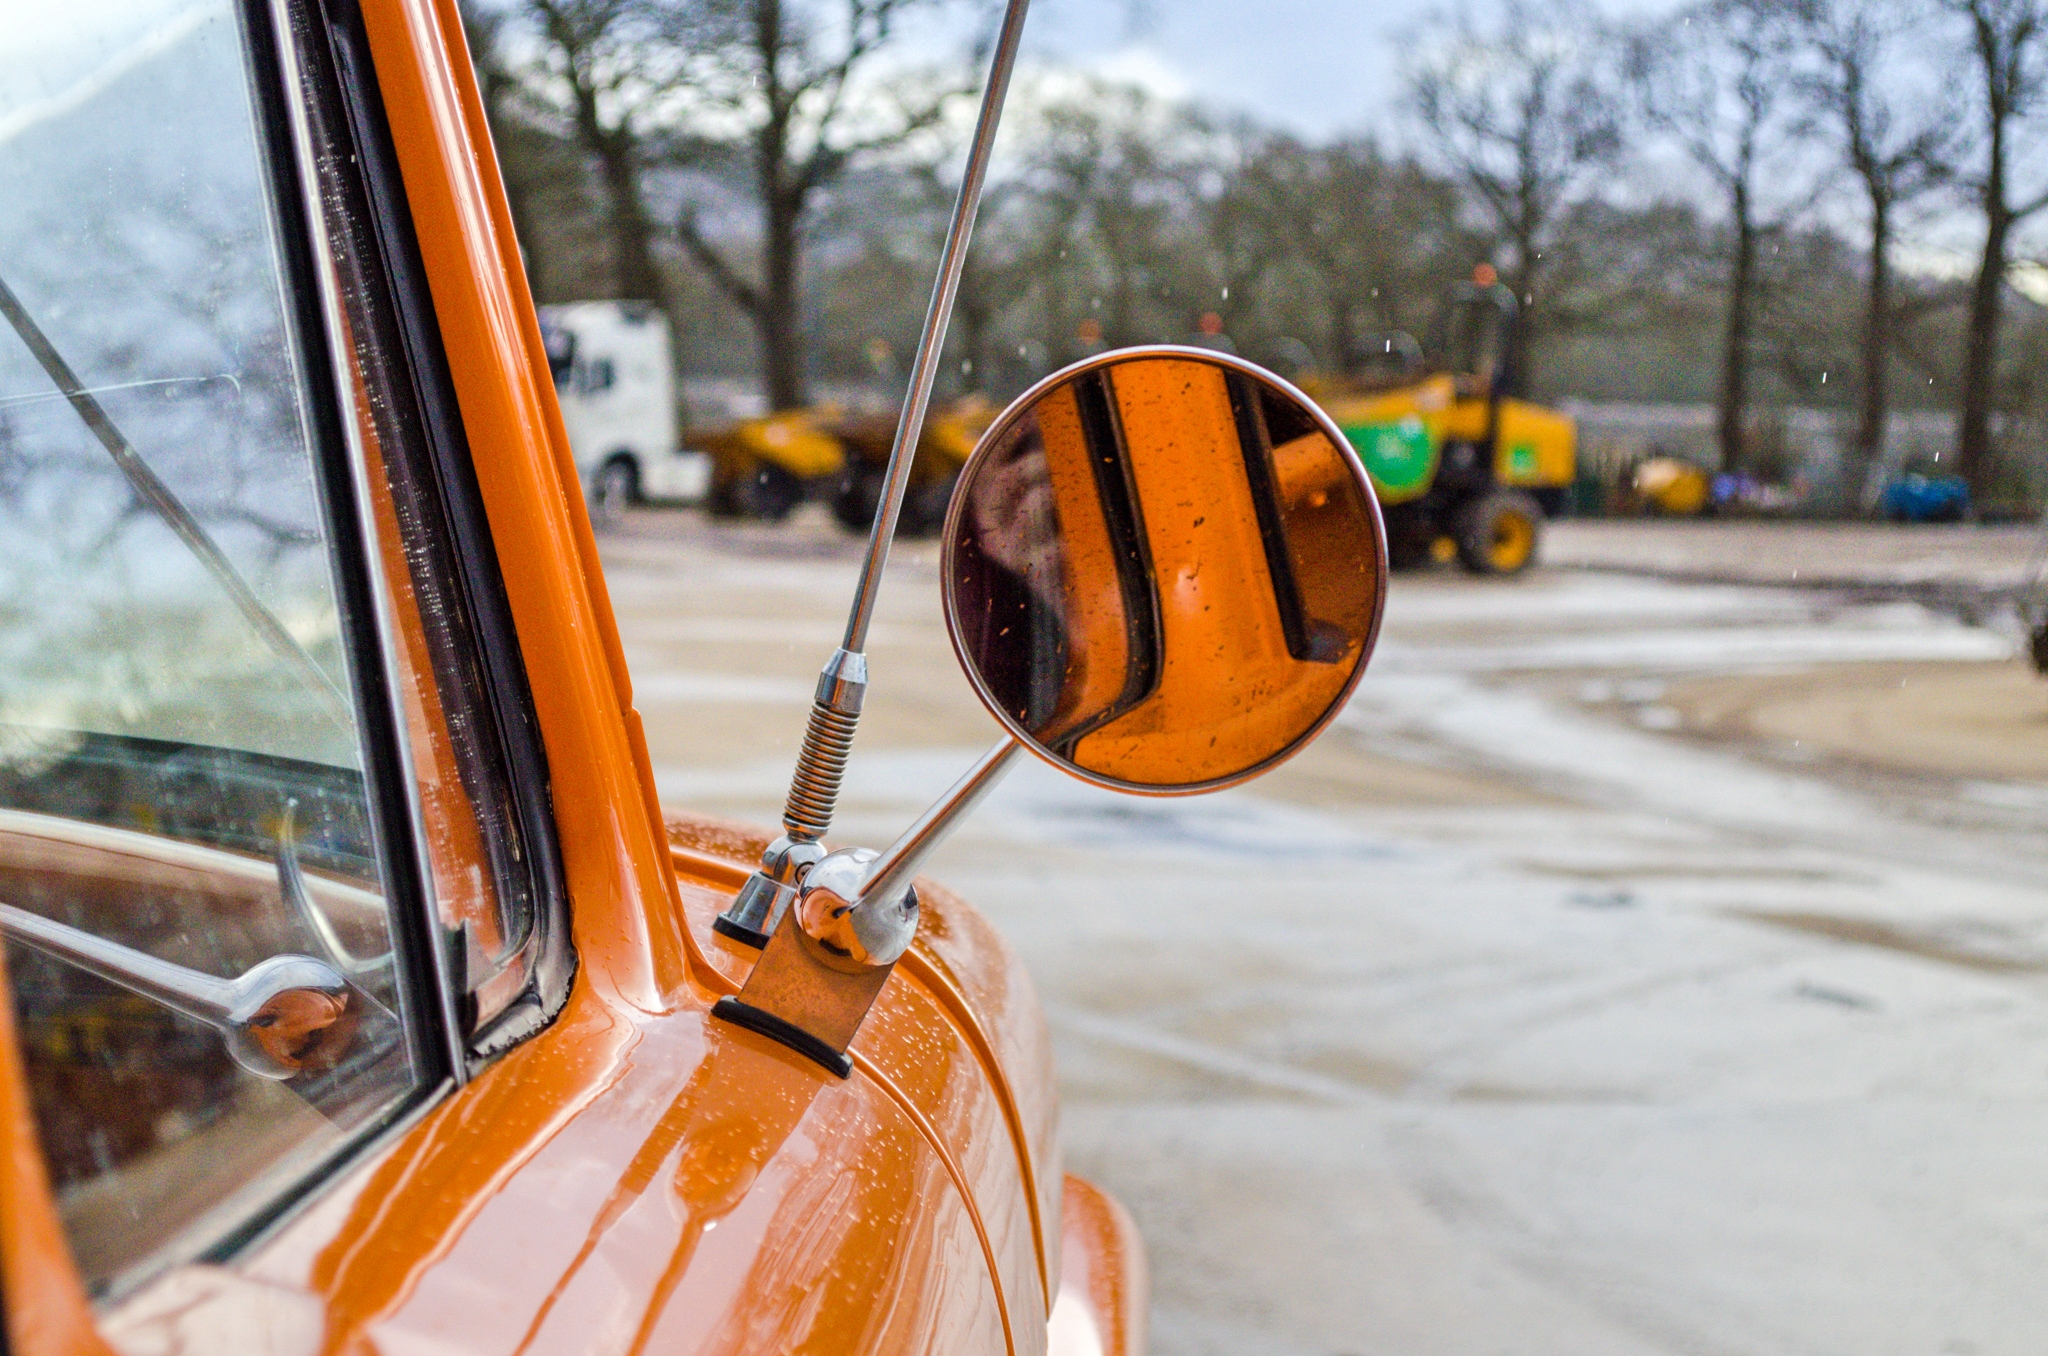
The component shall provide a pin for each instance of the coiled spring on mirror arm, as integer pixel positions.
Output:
(814, 789)
(813, 795)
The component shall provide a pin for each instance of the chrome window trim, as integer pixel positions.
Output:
(504, 708)
(313, 225)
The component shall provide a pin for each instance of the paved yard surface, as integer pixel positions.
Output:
(1922, 557)
(1638, 966)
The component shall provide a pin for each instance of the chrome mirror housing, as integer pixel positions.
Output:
(1164, 570)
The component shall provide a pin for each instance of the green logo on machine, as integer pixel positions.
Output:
(1399, 456)
(1522, 460)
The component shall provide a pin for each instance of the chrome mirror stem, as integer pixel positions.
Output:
(835, 711)
(891, 873)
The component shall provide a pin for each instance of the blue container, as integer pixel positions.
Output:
(1926, 499)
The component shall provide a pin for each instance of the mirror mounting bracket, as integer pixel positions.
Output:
(813, 792)
(856, 914)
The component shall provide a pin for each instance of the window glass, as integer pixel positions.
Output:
(198, 941)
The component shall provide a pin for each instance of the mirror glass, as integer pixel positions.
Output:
(1164, 569)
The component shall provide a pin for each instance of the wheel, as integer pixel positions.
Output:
(1496, 532)
(1410, 535)
(860, 493)
(924, 509)
(617, 486)
(723, 501)
(770, 493)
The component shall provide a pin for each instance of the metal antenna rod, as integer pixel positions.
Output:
(843, 683)
(925, 368)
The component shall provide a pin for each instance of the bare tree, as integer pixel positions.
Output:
(600, 61)
(782, 76)
(1519, 113)
(1108, 174)
(1373, 237)
(2008, 41)
(1895, 158)
(1244, 241)
(1000, 265)
(1716, 79)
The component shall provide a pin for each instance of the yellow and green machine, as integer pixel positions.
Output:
(1464, 469)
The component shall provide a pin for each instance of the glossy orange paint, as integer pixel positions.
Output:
(626, 938)
(989, 1103)
(46, 1304)
(637, 1177)
(628, 1183)
(1229, 695)
(1103, 1296)
(1099, 656)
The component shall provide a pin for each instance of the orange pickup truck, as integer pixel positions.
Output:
(359, 995)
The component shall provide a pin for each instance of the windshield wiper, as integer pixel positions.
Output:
(158, 496)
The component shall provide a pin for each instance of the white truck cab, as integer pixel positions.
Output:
(614, 375)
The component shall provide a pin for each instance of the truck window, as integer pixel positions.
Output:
(187, 766)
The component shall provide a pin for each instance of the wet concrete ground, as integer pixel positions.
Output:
(1637, 965)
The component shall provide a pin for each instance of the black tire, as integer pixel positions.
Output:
(860, 492)
(1497, 532)
(770, 493)
(924, 509)
(1410, 533)
(615, 488)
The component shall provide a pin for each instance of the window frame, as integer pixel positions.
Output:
(335, 463)
(447, 1045)
(299, 56)
(327, 56)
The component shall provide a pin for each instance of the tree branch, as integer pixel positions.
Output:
(742, 293)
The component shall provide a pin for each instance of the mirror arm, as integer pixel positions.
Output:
(282, 1017)
(189, 993)
(814, 787)
(891, 873)
(829, 957)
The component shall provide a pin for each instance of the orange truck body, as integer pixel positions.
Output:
(634, 1177)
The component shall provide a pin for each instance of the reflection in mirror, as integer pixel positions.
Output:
(1164, 569)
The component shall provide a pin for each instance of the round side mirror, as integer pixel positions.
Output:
(1164, 569)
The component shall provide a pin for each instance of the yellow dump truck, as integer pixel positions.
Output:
(763, 468)
(1463, 467)
(949, 434)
